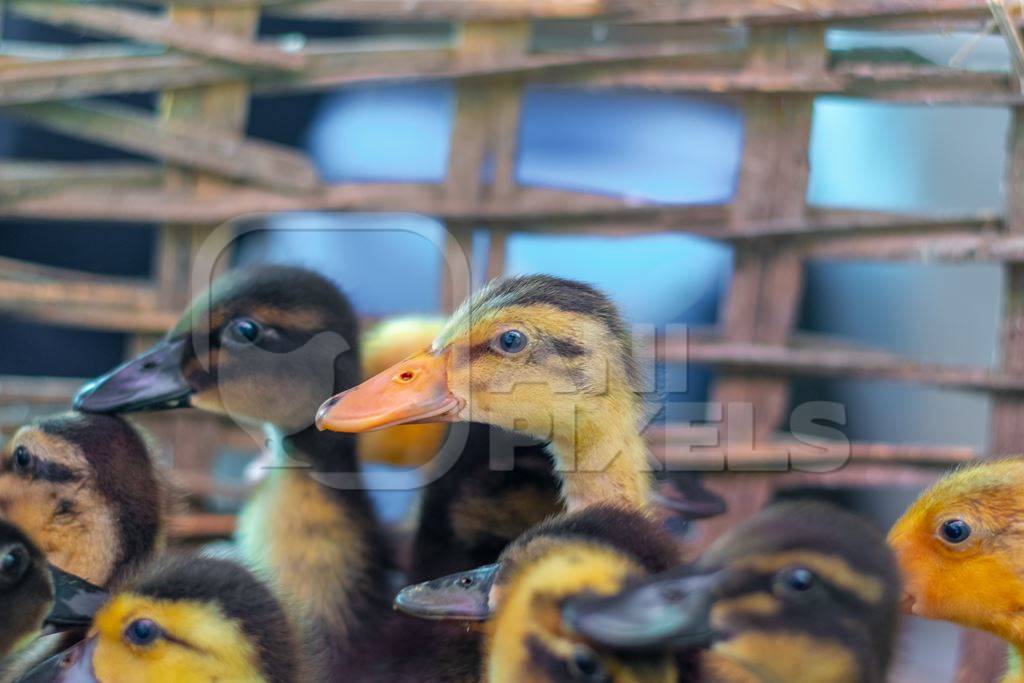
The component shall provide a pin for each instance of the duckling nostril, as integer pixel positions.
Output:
(406, 376)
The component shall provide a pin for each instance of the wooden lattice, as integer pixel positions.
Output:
(205, 60)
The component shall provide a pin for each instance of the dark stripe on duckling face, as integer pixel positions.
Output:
(568, 296)
(269, 326)
(26, 464)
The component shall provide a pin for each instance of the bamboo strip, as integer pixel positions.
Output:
(658, 69)
(778, 359)
(142, 27)
(193, 145)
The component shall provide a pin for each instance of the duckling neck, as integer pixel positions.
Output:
(321, 546)
(601, 455)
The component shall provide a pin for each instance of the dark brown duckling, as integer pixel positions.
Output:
(801, 592)
(264, 346)
(34, 595)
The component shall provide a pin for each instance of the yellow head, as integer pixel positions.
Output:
(87, 491)
(523, 596)
(961, 549)
(538, 355)
(191, 619)
(528, 640)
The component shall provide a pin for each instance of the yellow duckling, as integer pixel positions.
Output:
(186, 619)
(959, 546)
(537, 354)
(594, 552)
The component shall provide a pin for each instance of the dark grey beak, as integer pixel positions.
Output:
(670, 612)
(462, 596)
(153, 381)
(75, 603)
(71, 666)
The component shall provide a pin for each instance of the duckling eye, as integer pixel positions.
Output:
(245, 330)
(22, 459)
(797, 580)
(512, 341)
(142, 632)
(584, 666)
(955, 530)
(13, 565)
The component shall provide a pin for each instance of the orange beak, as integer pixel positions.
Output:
(414, 390)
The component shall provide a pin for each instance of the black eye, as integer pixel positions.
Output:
(22, 459)
(512, 341)
(955, 530)
(466, 581)
(13, 564)
(246, 330)
(584, 666)
(798, 579)
(142, 632)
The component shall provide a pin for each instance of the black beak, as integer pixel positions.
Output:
(464, 596)
(671, 612)
(71, 666)
(75, 602)
(685, 495)
(153, 381)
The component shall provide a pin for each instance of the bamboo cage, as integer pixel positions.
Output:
(205, 60)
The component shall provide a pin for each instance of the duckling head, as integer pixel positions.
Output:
(538, 355)
(959, 548)
(187, 619)
(593, 552)
(87, 490)
(26, 590)
(802, 591)
(528, 639)
(263, 345)
(33, 593)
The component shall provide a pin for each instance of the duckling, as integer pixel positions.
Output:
(959, 547)
(539, 355)
(594, 552)
(184, 619)
(88, 490)
(264, 346)
(26, 588)
(34, 593)
(484, 486)
(499, 485)
(801, 592)
(36, 598)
